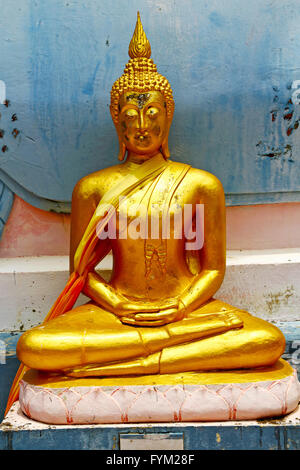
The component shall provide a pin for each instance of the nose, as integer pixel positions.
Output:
(142, 127)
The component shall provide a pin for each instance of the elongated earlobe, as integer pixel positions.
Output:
(165, 144)
(122, 150)
(165, 149)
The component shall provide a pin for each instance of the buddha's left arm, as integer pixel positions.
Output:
(213, 252)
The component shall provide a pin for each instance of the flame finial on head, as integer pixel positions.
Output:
(139, 45)
(140, 74)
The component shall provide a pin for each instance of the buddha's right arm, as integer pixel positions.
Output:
(85, 199)
(110, 299)
(102, 293)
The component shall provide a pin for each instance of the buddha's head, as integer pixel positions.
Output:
(142, 104)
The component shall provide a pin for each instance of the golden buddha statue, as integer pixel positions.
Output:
(157, 314)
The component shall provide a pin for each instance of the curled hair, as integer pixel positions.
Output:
(140, 74)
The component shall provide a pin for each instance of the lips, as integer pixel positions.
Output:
(142, 139)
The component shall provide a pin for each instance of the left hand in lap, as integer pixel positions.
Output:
(158, 318)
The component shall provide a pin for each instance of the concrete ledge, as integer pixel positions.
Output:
(18, 432)
(265, 282)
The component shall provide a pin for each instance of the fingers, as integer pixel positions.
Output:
(170, 303)
(159, 319)
(128, 307)
(133, 322)
(148, 307)
(160, 315)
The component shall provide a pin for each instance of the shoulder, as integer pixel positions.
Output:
(97, 183)
(205, 182)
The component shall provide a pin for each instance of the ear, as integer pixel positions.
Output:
(122, 146)
(122, 149)
(165, 149)
(165, 144)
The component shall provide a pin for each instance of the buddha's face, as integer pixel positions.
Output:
(143, 123)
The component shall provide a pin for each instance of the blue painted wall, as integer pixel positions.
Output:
(231, 64)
